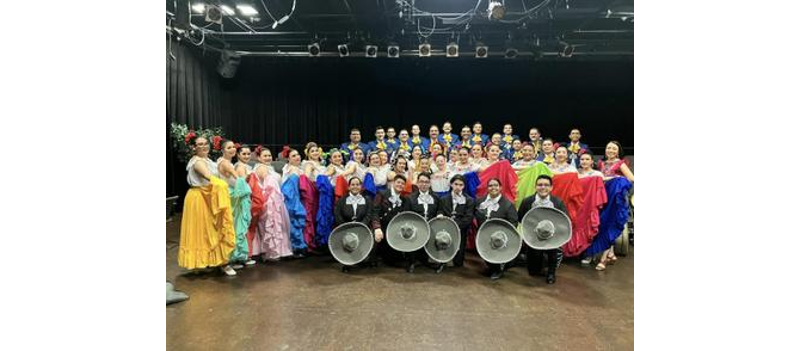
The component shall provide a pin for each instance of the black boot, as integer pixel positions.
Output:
(345, 269)
(551, 276)
(439, 268)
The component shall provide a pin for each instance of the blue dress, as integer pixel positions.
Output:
(297, 213)
(612, 217)
(325, 218)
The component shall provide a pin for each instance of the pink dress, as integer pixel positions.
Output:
(271, 237)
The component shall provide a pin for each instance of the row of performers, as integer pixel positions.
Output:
(510, 144)
(234, 212)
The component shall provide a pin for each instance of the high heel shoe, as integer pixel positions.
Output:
(612, 259)
(602, 265)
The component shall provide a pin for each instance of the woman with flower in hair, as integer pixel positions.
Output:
(336, 166)
(437, 149)
(618, 182)
(293, 167)
(416, 155)
(478, 161)
(462, 164)
(242, 168)
(240, 200)
(269, 231)
(291, 194)
(355, 167)
(312, 165)
(207, 234)
(562, 163)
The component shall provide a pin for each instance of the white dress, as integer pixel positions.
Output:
(316, 169)
(194, 178)
(440, 182)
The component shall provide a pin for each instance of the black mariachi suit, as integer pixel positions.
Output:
(535, 257)
(382, 213)
(463, 215)
(344, 214)
(433, 210)
(505, 211)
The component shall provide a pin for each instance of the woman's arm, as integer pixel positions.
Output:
(241, 170)
(202, 168)
(626, 172)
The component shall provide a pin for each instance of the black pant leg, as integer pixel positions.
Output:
(554, 258)
(458, 261)
(535, 258)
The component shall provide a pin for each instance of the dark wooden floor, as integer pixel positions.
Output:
(308, 304)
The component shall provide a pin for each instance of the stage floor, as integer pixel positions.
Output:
(308, 304)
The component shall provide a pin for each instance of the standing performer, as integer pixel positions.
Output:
(239, 193)
(440, 179)
(269, 231)
(207, 233)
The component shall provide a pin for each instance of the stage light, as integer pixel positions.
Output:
(247, 10)
(343, 50)
(199, 7)
(393, 51)
(424, 50)
(214, 14)
(313, 49)
(227, 9)
(371, 51)
(452, 50)
(496, 10)
(481, 51)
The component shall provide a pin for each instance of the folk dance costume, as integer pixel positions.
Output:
(499, 207)
(207, 233)
(386, 205)
(269, 231)
(325, 212)
(461, 208)
(440, 183)
(535, 257)
(355, 208)
(614, 215)
(349, 147)
(587, 223)
(297, 213)
(309, 197)
(426, 205)
(547, 158)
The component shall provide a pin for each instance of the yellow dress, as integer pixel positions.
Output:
(207, 234)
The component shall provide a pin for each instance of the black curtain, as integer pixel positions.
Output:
(278, 101)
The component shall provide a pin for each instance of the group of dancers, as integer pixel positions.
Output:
(240, 210)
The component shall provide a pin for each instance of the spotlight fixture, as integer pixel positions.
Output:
(213, 14)
(496, 10)
(511, 53)
(452, 50)
(424, 50)
(371, 51)
(481, 51)
(199, 7)
(313, 49)
(393, 51)
(566, 50)
(343, 50)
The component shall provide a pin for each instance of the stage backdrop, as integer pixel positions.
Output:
(279, 101)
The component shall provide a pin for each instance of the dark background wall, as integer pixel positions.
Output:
(279, 101)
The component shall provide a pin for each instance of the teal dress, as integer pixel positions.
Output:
(240, 201)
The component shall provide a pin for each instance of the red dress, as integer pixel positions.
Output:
(587, 222)
(309, 196)
(503, 171)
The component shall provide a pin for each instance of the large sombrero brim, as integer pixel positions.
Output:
(365, 243)
(410, 219)
(449, 226)
(560, 220)
(497, 255)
